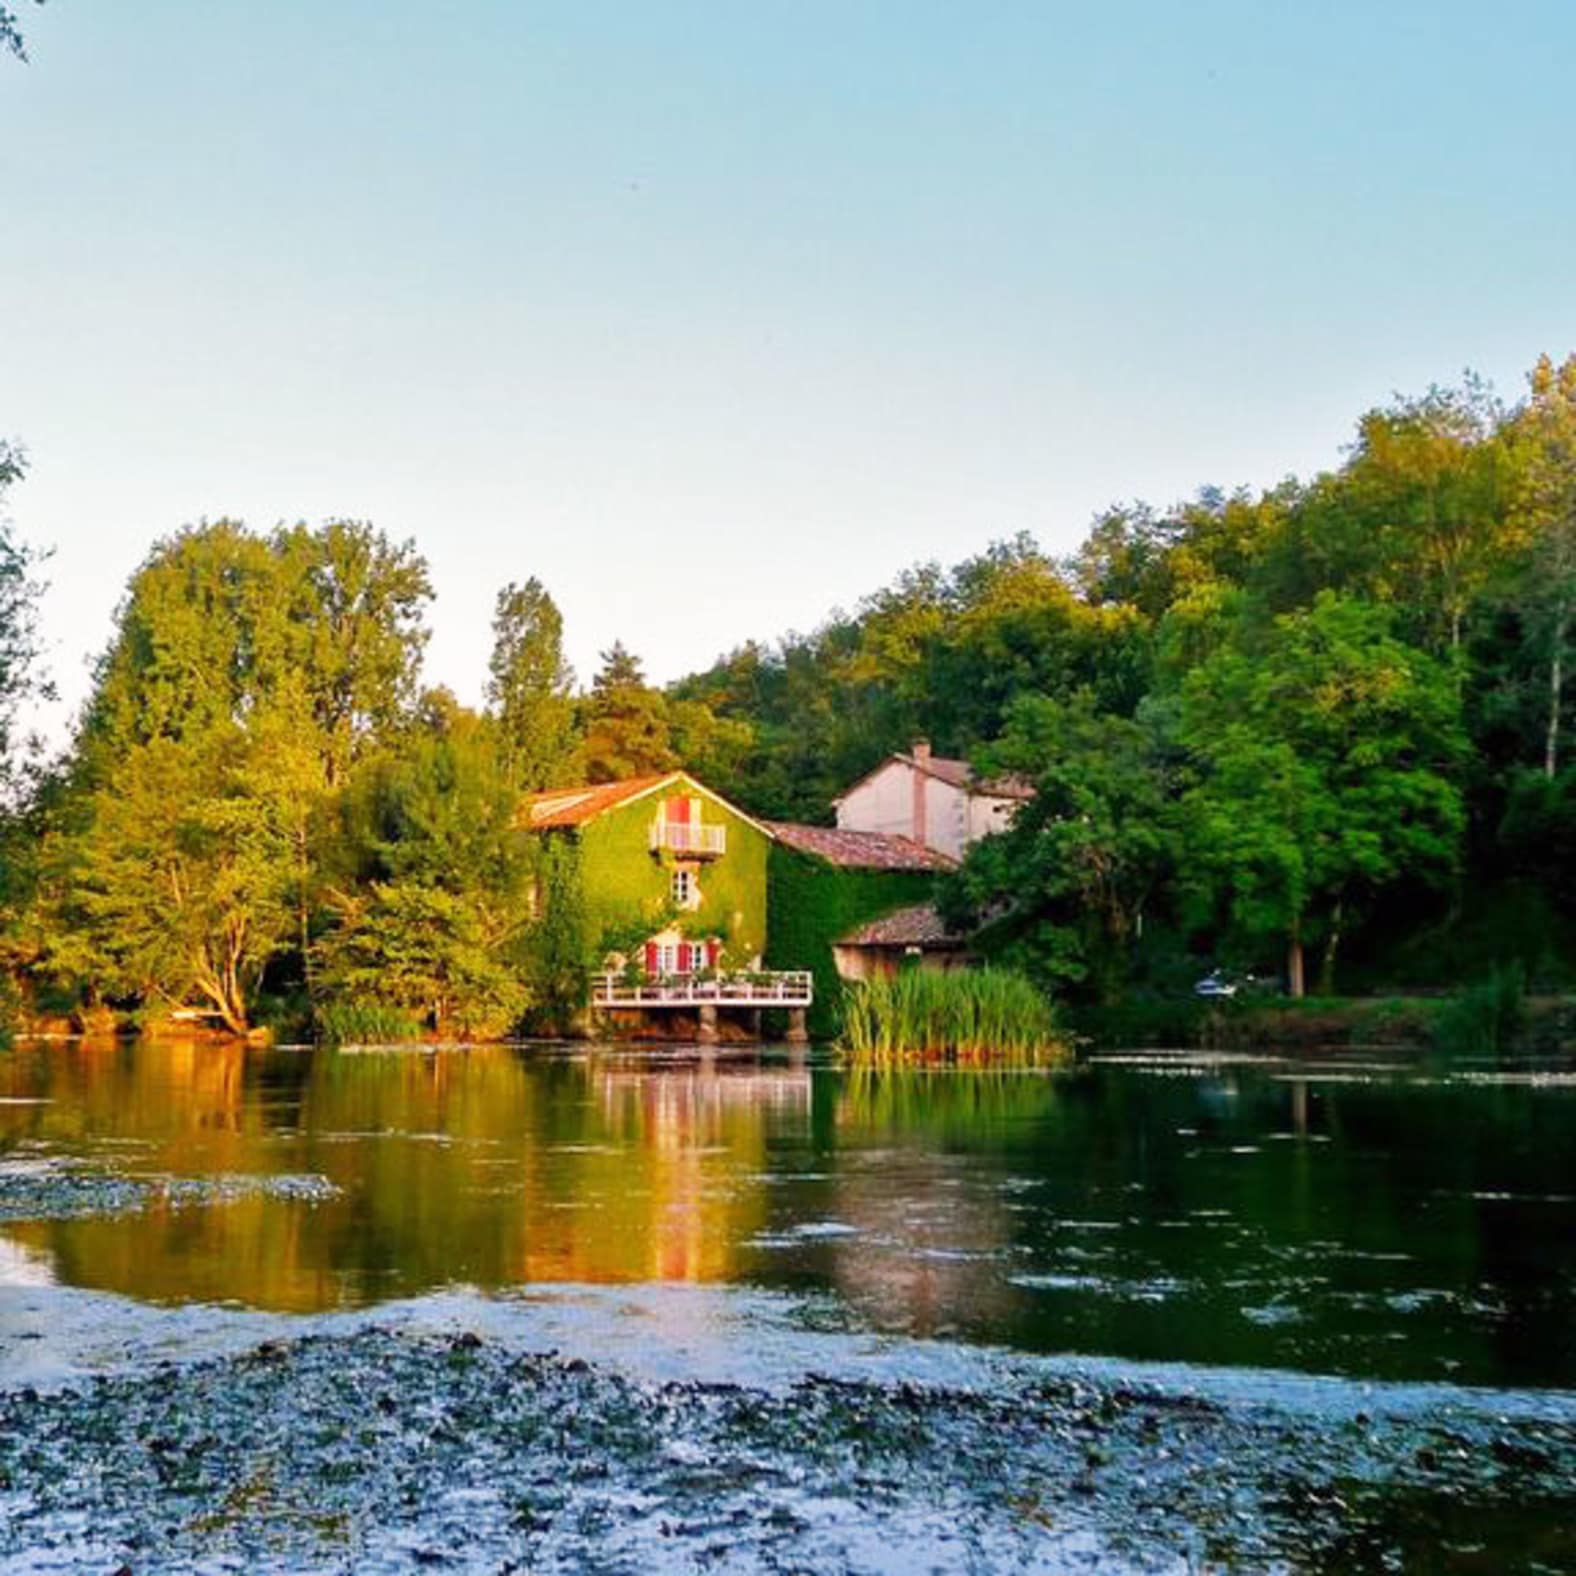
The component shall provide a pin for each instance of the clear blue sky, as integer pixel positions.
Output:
(715, 316)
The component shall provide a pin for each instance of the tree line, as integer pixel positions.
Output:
(1322, 725)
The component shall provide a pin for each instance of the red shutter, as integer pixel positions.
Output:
(651, 960)
(713, 952)
(677, 812)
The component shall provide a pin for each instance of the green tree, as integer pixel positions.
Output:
(435, 917)
(20, 591)
(1084, 859)
(531, 688)
(1325, 751)
(180, 888)
(626, 722)
(1545, 436)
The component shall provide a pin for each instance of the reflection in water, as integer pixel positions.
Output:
(1225, 1213)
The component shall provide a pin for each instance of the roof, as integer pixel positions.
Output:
(955, 773)
(574, 806)
(919, 926)
(859, 850)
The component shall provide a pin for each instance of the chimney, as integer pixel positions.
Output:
(921, 753)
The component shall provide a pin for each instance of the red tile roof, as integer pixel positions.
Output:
(919, 926)
(859, 850)
(556, 807)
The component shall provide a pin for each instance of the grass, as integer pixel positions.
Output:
(1486, 1017)
(366, 1023)
(974, 1016)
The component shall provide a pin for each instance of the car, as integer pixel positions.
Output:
(1215, 986)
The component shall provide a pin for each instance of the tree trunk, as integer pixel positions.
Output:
(1551, 744)
(1331, 943)
(1294, 977)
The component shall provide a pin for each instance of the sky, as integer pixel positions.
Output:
(716, 316)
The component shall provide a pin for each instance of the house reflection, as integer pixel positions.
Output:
(307, 1181)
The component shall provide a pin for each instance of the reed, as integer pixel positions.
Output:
(974, 1016)
(366, 1023)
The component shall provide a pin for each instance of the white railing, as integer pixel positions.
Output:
(789, 988)
(686, 837)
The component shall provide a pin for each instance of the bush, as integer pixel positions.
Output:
(366, 1023)
(966, 1015)
(1488, 1016)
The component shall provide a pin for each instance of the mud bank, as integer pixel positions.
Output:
(389, 1449)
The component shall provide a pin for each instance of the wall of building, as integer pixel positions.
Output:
(886, 802)
(811, 903)
(628, 888)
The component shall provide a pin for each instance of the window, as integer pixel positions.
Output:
(686, 890)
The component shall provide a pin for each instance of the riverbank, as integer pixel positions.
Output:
(388, 1444)
(1314, 1024)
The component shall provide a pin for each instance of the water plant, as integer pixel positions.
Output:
(966, 1015)
(1485, 1017)
(366, 1023)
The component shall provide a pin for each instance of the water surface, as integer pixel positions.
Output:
(1356, 1218)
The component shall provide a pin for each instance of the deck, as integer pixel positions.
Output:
(789, 988)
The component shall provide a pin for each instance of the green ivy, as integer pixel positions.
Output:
(812, 903)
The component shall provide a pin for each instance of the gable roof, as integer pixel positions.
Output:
(859, 850)
(955, 773)
(556, 808)
(916, 926)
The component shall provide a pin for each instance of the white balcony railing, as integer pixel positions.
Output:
(688, 837)
(787, 988)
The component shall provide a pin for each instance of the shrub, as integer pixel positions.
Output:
(1488, 1016)
(965, 1015)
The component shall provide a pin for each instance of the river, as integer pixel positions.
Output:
(1345, 1239)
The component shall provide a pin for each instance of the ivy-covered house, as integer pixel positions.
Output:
(665, 884)
(847, 904)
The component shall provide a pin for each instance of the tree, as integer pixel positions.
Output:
(1085, 857)
(181, 885)
(20, 680)
(434, 918)
(11, 32)
(1325, 751)
(626, 722)
(1545, 435)
(531, 688)
(1427, 478)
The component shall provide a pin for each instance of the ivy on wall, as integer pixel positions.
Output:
(812, 902)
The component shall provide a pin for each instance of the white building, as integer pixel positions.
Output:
(932, 799)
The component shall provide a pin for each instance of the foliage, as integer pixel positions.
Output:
(811, 904)
(531, 688)
(20, 680)
(628, 892)
(1080, 861)
(1487, 1017)
(11, 32)
(626, 723)
(1324, 750)
(180, 884)
(966, 1015)
(435, 923)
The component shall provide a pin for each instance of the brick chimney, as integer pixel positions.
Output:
(920, 750)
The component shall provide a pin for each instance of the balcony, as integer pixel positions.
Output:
(785, 988)
(689, 838)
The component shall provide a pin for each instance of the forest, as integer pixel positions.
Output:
(1321, 732)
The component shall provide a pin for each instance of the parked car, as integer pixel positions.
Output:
(1215, 986)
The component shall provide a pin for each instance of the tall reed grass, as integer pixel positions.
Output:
(966, 1015)
(1485, 1018)
(366, 1023)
